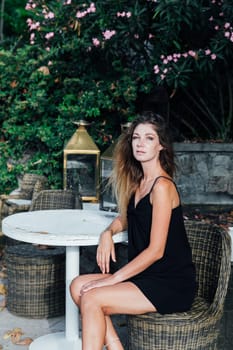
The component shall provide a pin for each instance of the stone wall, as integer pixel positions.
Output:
(205, 173)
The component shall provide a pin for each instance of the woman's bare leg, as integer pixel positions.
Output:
(97, 303)
(111, 336)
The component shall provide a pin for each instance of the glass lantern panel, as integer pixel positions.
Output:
(107, 199)
(81, 173)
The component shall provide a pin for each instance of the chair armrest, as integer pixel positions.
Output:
(9, 196)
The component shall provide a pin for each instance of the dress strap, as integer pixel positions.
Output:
(165, 177)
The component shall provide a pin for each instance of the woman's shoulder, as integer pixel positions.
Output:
(163, 181)
(165, 189)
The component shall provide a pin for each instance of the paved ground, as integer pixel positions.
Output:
(35, 328)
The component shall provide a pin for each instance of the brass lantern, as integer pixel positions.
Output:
(107, 199)
(81, 164)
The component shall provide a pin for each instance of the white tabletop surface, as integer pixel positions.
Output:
(71, 227)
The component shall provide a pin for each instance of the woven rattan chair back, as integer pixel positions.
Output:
(207, 243)
(56, 199)
(198, 328)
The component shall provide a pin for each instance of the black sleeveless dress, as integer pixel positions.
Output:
(169, 283)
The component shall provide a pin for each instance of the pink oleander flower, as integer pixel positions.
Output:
(108, 34)
(96, 42)
(192, 53)
(162, 76)
(124, 14)
(207, 52)
(165, 61)
(33, 25)
(80, 14)
(49, 15)
(213, 56)
(156, 69)
(227, 34)
(29, 21)
(227, 25)
(30, 5)
(32, 38)
(92, 7)
(49, 35)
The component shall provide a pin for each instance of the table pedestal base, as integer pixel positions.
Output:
(56, 341)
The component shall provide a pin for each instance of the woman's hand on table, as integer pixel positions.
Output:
(105, 251)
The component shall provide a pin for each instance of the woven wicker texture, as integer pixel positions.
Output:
(28, 183)
(198, 328)
(36, 277)
(31, 185)
(56, 199)
(36, 282)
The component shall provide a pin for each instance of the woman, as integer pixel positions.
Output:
(160, 275)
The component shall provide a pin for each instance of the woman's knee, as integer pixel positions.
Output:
(75, 288)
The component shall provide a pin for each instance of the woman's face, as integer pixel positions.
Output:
(145, 143)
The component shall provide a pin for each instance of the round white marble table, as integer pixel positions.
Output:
(69, 228)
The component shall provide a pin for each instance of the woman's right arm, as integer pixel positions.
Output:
(106, 247)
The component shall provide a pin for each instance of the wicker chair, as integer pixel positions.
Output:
(198, 328)
(56, 199)
(36, 277)
(20, 199)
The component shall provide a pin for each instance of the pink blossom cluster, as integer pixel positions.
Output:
(95, 42)
(228, 31)
(48, 14)
(227, 27)
(67, 2)
(49, 35)
(169, 60)
(124, 14)
(107, 34)
(90, 9)
(33, 25)
(30, 5)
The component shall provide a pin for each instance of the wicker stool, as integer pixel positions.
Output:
(36, 281)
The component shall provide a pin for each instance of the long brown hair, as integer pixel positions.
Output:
(127, 171)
